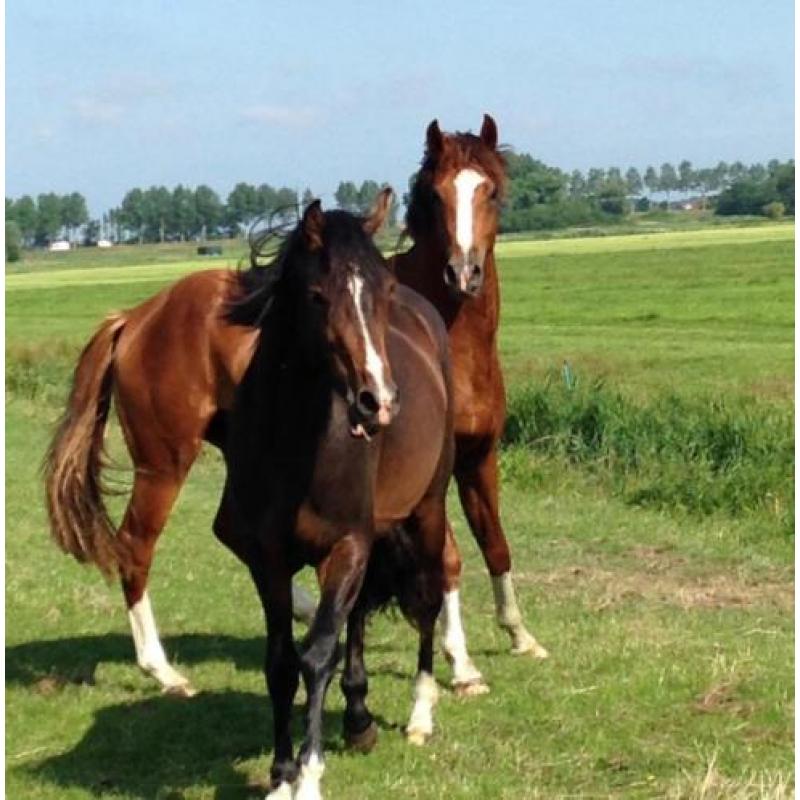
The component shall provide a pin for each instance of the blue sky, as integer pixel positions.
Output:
(102, 97)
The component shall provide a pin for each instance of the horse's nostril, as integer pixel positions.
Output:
(476, 271)
(367, 403)
(450, 275)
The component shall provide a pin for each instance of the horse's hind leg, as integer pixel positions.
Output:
(467, 679)
(360, 730)
(153, 497)
(477, 480)
(429, 527)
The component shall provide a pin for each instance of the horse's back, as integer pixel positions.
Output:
(177, 361)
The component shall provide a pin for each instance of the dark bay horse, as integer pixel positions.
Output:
(172, 364)
(339, 452)
(453, 219)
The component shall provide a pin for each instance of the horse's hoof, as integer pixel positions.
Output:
(472, 688)
(529, 647)
(184, 690)
(417, 737)
(362, 742)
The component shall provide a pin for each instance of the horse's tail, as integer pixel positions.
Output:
(79, 521)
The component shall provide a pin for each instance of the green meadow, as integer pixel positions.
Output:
(647, 494)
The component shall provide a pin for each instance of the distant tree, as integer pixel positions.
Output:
(13, 241)
(73, 212)
(308, 198)
(156, 212)
(24, 214)
(209, 209)
(736, 171)
(183, 214)
(241, 207)
(633, 182)
(367, 193)
(773, 165)
(266, 201)
(686, 176)
(667, 180)
(721, 174)
(286, 205)
(614, 175)
(783, 177)
(758, 172)
(91, 233)
(594, 180)
(651, 180)
(577, 184)
(346, 195)
(48, 217)
(131, 215)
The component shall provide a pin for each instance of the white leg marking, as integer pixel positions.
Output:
(510, 618)
(149, 652)
(374, 361)
(309, 779)
(282, 792)
(467, 679)
(426, 693)
(466, 182)
(303, 604)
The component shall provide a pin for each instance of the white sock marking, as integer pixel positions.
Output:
(466, 182)
(426, 693)
(510, 617)
(374, 361)
(310, 776)
(149, 652)
(455, 643)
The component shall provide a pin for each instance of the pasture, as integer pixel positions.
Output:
(669, 620)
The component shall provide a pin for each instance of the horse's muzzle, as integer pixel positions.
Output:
(464, 280)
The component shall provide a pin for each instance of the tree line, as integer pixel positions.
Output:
(539, 196)
(159, 214)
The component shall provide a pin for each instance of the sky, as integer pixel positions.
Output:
(103, 97)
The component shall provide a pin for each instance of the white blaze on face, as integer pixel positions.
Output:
(466, 182)
(374, 363)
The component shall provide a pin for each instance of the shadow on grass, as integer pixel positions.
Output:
(161, 747)
(75, 659)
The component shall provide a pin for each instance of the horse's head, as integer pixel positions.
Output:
(348, 291)
(456, 197)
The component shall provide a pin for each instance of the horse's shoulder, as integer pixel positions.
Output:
(412, 310)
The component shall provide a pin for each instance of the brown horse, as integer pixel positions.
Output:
(173, 362)
(339, 452)
(453, 218)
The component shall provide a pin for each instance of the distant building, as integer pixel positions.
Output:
(58, 247)
(104, 243)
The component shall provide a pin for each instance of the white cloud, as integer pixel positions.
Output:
(94, 110)
(280, 116)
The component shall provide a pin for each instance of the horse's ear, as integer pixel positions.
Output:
(313, 224)
(433, 139)
(376, 218)
(489, 132)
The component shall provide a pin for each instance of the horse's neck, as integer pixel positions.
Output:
(422, 269)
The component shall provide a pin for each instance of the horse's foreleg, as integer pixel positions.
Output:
(147, 512)
(360, 730)
(343, 576)
(467, 679)
(229, 534)
(281, 666)
(478, 490)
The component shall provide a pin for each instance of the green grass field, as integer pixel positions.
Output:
(669, 622)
